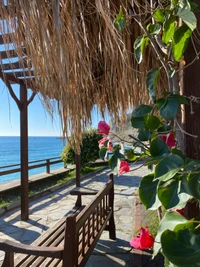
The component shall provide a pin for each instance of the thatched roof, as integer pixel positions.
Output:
(77, 56)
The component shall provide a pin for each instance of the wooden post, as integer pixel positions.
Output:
(48, 166)
(24, 152)
(191, 84)
(78, 178)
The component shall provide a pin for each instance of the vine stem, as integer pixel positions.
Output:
(134, 138)
(195, 136)
(157, 51)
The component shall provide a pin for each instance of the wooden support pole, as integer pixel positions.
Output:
(24, 152)
(78, 178)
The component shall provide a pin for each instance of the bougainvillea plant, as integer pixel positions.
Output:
(175, 179)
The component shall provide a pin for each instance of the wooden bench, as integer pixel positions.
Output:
(71, 241)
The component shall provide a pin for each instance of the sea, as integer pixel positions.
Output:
(40, 148)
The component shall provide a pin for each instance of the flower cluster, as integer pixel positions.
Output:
(144, 240)
(104, 129)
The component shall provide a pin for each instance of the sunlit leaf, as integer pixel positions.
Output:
(187, 16)
(180, 41)
(120, 22)
(159, 16)
(169, 28)
(169, 221)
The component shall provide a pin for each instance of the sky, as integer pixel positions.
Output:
(40, 122)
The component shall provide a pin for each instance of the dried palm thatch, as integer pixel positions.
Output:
(77, 55)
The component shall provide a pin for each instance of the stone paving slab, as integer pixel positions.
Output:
(47, 210)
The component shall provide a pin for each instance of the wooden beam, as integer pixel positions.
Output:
(20, 73)
(11, 78)
(10, 53)
(15, 65)
(24, 153)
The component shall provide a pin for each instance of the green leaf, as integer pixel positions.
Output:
(144, 135)
(159, 16)
(169, 221)
(103, 153)
(192, 165)
(114, 163)
(179, 153)
(139, 46)
(148, 192)
(137, 122)
(182, 248)
(187, 16)
(169, 28)
(130, 155)
(194, 185)
(180, 99)
(168, 167)
(120, 22)
(169, 110)
(118, 154)
(160, 102)
(151, 82)
(154, 29)
(141, 111)
(172, 194)
(180, 41)
(158, 147)
(153, 122)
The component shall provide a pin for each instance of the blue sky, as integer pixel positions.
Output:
(39, 121)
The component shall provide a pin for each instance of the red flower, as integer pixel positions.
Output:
(182, 211)
(103, 128)
(143, 240)
(124, 167)
(102, 141)
(169, 139)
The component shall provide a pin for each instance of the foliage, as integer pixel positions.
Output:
(89, 149)
(175, 178)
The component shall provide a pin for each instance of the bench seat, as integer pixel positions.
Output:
(70, 241)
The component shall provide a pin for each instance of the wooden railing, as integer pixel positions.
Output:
(42, 163)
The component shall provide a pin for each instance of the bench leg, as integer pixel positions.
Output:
(8, 260)
(112, 230)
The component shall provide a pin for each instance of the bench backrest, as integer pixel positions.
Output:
(84, 230)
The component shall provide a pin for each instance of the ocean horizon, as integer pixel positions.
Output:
(40, 148)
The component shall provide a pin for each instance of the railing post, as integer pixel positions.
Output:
(48, 166)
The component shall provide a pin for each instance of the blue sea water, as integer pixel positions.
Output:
(39, 148)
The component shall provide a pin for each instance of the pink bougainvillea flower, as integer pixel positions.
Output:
(182, 211)
(124, 167)
(102, 141)
(103, 128)
(169, 139)
(143, 240)
(110, 146)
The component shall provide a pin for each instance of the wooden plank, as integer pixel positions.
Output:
(11, 53)
(16, 65)
(19, 73)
